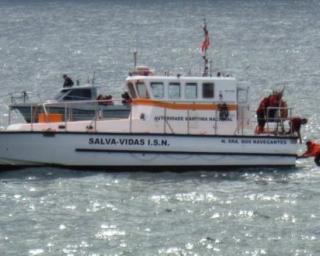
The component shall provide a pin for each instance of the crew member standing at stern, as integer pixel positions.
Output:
(295, 126)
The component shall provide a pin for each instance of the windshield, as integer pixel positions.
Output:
(60, 94)
(74, 94)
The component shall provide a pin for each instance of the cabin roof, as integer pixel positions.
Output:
(77, 87)
(182, 78)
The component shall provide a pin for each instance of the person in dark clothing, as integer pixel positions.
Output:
(261, 114)
(126, 100)
(67, 81)
(295, 126)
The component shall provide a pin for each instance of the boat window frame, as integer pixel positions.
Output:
(131, 90)
(171, 85)
(152, 89)
(204, 93)
(145, 94)
(189, 84)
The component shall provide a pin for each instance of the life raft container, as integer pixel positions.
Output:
(143, 71)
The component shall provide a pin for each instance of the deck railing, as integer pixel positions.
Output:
(94, 111)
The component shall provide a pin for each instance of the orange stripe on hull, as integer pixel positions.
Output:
(181, 106)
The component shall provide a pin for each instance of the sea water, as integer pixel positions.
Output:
(265, 44)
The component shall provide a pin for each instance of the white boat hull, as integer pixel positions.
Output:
(79, 149)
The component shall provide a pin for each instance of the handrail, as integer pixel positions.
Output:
(277, 118)
(189, 125)
(83, 101)
(24, 95)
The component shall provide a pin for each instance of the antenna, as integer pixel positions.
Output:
(210, 69)
(93, 78)
(135, 58)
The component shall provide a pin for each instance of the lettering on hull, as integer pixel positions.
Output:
(159, 142)
(254, 141)
(191, 118)
(128, 142)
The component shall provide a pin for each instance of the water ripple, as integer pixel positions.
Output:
(244, 211)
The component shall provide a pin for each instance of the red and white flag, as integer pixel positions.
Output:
(206, 42)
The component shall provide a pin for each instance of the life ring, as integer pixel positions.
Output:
(223, 112)
(317, 160)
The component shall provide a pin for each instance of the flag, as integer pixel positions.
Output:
(206, 42)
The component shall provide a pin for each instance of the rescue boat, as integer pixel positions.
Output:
(174, 121)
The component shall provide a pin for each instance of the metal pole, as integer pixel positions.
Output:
(188, 124)
(9, 116)
(96, 117)
(135, 56)
(242, 120)
(164, 121)
(65, 116)
(130, 121)
(216, 123)
(31, 119)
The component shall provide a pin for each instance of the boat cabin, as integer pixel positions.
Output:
(205, 105)
(179, 88)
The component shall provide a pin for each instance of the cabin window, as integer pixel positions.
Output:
(157, 90)
(131, 90)
(78, 94)
(191, 91)
(208, 90)
(174, 91)
(142, 90)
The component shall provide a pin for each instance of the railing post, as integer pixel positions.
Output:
(130, 121)
(9, 116)
(267, 118)
(31, 117)
(216, 123)
(242, 128)
(65, 116)
(188, 121)
(290, 117)
(96, 117)
(164, 121)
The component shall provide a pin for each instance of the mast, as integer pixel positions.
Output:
(204, 47)
(135, 57)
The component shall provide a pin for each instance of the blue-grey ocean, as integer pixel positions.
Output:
(265, 44)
